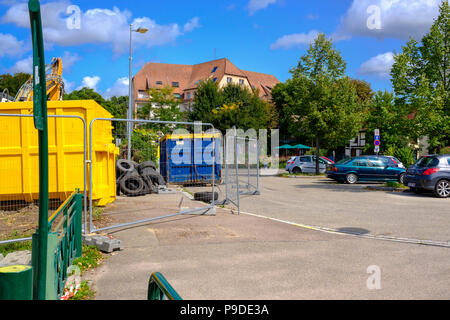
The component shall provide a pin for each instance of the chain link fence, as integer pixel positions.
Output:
(19, 170)
(173, 169)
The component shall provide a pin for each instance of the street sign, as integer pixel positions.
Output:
(377, 141)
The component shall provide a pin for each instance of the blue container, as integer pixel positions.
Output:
(189, 158)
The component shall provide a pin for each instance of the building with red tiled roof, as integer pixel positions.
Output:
(184, 79)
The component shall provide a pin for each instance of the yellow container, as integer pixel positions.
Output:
(19, 152)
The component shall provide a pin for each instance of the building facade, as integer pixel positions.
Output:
(184, 79)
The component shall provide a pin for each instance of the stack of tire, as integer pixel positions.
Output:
(137, 179)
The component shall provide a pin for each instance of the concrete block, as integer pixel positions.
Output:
(17, 258)
(104, 243)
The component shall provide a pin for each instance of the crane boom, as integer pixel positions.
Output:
(55, 84)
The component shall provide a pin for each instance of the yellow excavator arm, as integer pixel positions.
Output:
(55, 84)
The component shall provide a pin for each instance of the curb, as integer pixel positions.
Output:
(390, 189)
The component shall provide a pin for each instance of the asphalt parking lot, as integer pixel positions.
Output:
(270, 252)
(322, 202)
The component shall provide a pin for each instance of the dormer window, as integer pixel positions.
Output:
(214, 69)
(159, 83)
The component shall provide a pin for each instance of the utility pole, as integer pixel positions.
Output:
(130, 88)
(40, 252)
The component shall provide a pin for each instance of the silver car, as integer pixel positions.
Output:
(306, 164)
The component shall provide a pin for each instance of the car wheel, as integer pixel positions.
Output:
(401, 178)
(296, 170)
(351, 178)
(442, 189)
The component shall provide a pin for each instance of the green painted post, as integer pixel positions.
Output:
(78, 224)
(40, 122)
(16, 283)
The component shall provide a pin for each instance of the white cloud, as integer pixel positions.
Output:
(378, 66)
(398, 19)
(90, 82)
(191, 25)
(69, 59)
(10, 46)
(25, 66)
(256, 5)
(96, 26)
(295, 40)
(68, 85)
(118, 89)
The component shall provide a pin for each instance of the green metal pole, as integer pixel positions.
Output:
(40, 121)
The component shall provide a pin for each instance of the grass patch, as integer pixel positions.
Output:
(98, 214)
(91, 258)
(6, 249)
(394, 184)
(287, 174)
(84, 293)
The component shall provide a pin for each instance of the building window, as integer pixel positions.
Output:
(229, 80)
(142, 94)
(241, 82)
(177, 95)
(159, 82)
(214, 70)
(175, 84)
(215, 79)
(188, 95)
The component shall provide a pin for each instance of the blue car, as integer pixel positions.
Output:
(430, 173)
(367, 168)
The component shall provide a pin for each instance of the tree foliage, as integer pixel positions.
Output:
(233, 105)
(320, 102)
(13, 82)
(163, 106)
(421, 82)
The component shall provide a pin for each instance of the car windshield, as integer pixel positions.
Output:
(427, 162)
(344, 161)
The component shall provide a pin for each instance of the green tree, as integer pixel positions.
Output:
(233, 105)
(163, 106)
(118, 107)
(421, 82)
(13, 82)
(392, 121)
(206, 99)
(320, 102)
(85, 94)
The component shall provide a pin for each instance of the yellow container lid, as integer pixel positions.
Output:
(14, 269)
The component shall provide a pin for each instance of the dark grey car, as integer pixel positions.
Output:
(430, 173)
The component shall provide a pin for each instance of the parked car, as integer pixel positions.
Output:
(430, 173)
(397, 162)
(307, 164)
(366, 168)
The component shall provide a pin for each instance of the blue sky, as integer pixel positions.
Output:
(266, 36)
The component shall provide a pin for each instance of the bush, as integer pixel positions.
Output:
(405, 155)
(445, 150)
(144, 145)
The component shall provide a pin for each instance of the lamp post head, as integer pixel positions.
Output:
(141, 30)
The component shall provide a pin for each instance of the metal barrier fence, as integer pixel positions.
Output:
(186, 156)
(248, 165)
(19, 170)
(242, 167)
(160, 289)
(75, 165)
(64, 244)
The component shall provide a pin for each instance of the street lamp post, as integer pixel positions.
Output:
(130, 88)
